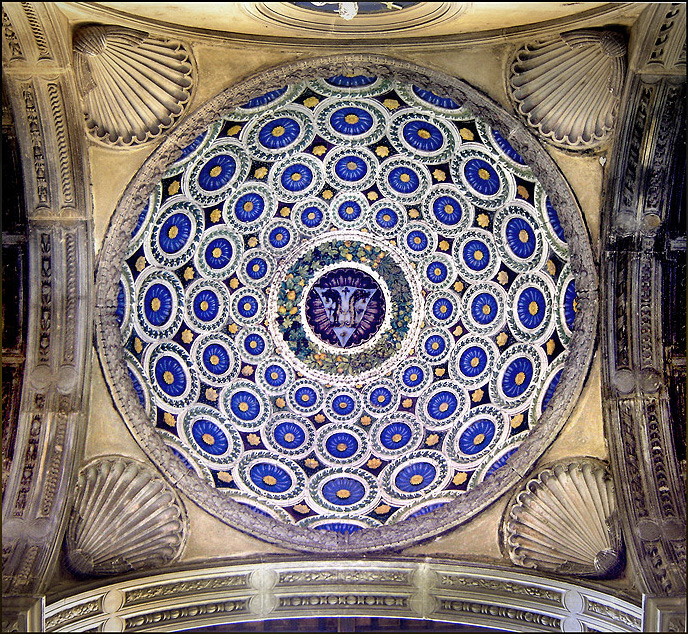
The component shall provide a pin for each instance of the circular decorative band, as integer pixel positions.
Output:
(307, 295)
(335, 319)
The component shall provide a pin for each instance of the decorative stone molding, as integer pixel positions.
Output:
(662, 29)
(45, 106)
(32, 35)
(390, 537)
(23, 614)
(432, 589)
(46, 117)
(134, 86)
(567, 89)
(366, 25)
(564, 521)
(607, 13)
(640, 210)
(54, 401)
(10, 38)
(125, 518)
(664, 614)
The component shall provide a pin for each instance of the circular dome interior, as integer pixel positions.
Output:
(344, 306)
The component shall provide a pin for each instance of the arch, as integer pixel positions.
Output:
(436, 590)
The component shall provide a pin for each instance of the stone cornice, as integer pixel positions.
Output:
(429, 589)
(599, 16)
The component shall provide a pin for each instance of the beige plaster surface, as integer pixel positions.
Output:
(475, 540)
(585, 175)
(237, 63)
(210, 538)
(106, 433)
(232, 18)
(111, 171)
(583, 432)
(482, 67)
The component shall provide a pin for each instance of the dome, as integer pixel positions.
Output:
(346, 305)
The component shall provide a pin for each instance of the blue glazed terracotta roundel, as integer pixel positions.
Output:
(348, 301)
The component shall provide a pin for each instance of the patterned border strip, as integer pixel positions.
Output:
(436, 590)
(636, 384)
(51, 423)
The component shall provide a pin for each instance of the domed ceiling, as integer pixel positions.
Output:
(307, 20)
(345, 305)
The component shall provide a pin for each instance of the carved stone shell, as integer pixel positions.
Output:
(568, 88)
(134, 86)
(564, 521)
(125, 518)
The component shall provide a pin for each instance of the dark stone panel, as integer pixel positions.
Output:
(13, 219)
(14, 285)
(674, 296)
(14, 272)
(345, 624)
(11, 395)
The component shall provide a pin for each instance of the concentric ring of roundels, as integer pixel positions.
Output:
(347, 303)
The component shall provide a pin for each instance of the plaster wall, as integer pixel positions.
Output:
(476, 16)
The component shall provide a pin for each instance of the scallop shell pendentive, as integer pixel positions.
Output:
(134, 86)
(125, 518)
(568, 88)
(564, 521)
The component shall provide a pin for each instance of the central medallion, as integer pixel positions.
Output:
(345, 307)
(348, 307)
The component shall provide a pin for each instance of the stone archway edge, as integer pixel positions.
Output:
(429, 589)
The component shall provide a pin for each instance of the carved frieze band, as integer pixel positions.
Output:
(10, 38)
(54, 166)
(43, 96)
(664, 614)
(134, 86)
(125, 517)
(37, 146)
(429, 589)
(638, 419)
(41, 90)
(29, 35)
(662, 49)
(23, 614)
(564, 520)
(53, 404)
(567, 88)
